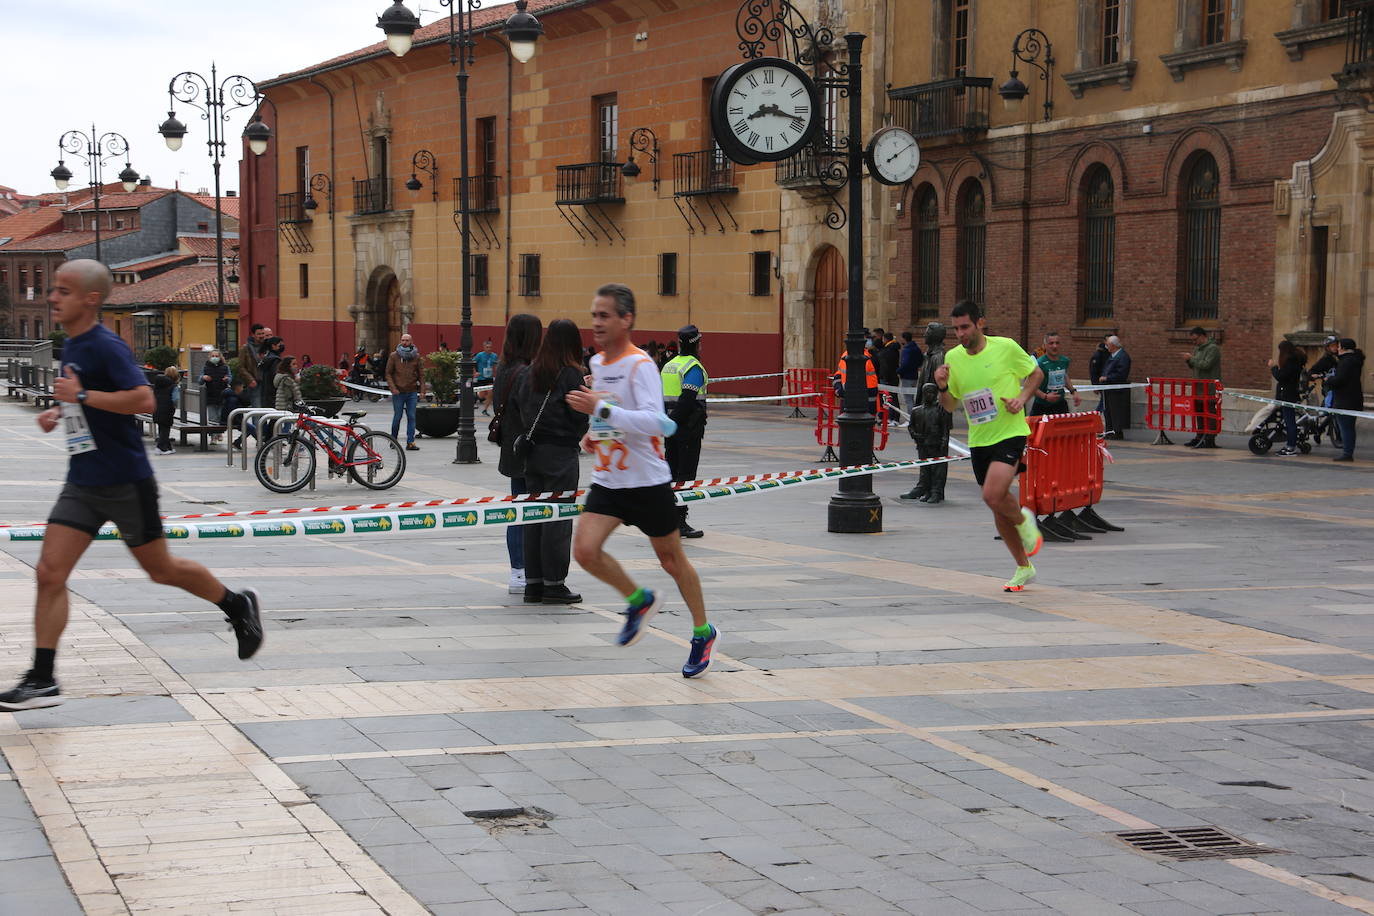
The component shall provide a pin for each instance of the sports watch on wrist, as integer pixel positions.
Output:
(81, 396)
(604, 411)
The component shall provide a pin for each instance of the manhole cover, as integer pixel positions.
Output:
(1204, 842)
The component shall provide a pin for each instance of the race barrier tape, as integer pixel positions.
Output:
(1111, 387)
(385, 393)
(745, 378)
(766, 397)
(1311, 408)
(458, 518)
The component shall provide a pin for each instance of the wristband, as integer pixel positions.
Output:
(941, 390)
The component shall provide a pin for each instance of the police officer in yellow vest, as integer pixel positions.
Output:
(684, 398)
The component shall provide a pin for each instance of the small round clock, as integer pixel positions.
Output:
(764, 110)
(892, 155)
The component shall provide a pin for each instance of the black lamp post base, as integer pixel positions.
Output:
(860, 513)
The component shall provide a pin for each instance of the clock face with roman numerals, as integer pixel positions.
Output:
(764, 110)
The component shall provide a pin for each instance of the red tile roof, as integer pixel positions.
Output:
(150, 263)
(62, 241)
(195, 284)
(28, 223)
(229, 206)
(203, 247)
(124, 200)
(435, 32)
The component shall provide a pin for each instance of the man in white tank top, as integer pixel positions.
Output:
(631, 483)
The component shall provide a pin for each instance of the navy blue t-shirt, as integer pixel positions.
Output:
(104, 362)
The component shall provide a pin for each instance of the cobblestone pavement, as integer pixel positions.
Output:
(884, 731)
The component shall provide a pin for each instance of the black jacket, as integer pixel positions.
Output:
(1321, 367)
(503, 384)
(1288, 379)
(1096, 362)
(162, 396)
(219, 380)
(1348, 391)
(559, 424)
(886, 359)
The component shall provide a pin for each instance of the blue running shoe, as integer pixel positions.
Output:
(700, 658)
(636, 615)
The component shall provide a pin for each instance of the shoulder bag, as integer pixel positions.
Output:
(520, 448)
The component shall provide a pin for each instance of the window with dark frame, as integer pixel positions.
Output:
(486, 155)
(607, 113)
(303, 170)
(1202, 240)
(927, 254)
(1111, 31)
(959, 23)
(479, 280)
(1214, 16)
(305, 280)
(972, 250)
(529, 275)
(1099, 245)
(761, 273)
(667, 273)
(38, 289)
(1332, 9)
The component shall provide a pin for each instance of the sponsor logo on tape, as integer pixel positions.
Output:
(325, 526)
(498, 516)
(179, 532)
(420, 520)
(569, 510)
(689, 496)
(20, 534)
(273, 529)
(372, 523)
(460, 519)
(221, 531)
(536, 513)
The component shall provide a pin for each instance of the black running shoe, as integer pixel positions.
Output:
(30, 694)
(248, 626)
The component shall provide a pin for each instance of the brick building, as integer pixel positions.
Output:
(552, 215)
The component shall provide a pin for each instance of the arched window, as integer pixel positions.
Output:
(972, 251)
(1099, 243)
(1201, 239)
(927, 253)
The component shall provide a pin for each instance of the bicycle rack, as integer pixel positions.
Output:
(267, 419)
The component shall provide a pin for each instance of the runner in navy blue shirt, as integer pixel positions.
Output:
(109, 479)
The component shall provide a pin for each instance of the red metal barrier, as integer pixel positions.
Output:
(807, 381)
(1064, 458)
(828, 427)
(1183, 405)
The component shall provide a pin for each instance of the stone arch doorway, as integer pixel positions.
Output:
(832, 307)
(382, 321)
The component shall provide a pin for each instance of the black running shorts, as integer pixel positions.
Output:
(131, 506)
(652, 510)
(1008, 451)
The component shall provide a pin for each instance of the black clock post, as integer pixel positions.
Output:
(855, 508)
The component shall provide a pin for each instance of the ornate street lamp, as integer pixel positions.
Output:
(94, 150)
(646, 141)
(1031, 47)
(215, 98)
(319, 182)
(424, 161)
(522, 30)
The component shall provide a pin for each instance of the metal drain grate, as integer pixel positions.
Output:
(1204, 842)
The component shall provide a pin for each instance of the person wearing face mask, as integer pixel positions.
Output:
(407, 383)
(272, 350)
(214, 379)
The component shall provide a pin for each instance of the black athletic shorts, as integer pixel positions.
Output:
(131, 506)
(652, 510)
(1008, 451)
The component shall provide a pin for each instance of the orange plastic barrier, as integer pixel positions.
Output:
(807, 381)
(828, 427)
(1184, 405)
(1064, 456)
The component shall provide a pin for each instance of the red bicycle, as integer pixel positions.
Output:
(285, 463)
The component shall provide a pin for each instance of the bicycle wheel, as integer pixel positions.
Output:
(381, 472)
(285, 463)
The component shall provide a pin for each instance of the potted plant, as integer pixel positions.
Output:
(440, 417)
(321, 389)
(58, 338)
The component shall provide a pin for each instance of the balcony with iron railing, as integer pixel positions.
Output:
(806, 170)
(589, 183)
(291, 207)
(707, 171)
(1359, 42)
(942, 108)
(371, 195)
(484, 194)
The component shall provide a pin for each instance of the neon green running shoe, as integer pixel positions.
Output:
(1030, 532)
(1023, 576)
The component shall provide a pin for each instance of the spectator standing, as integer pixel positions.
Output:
(377, 365)
(1049, 398)
(554, 431)
(407, 382)
(288, 390)
(1097, 362)
(249, 354)
(1326, 365)
(214, 380)
(486, 372)
(908, 369)
(272, 349)
(1347, 393)
(1287, 372)
(888, 358)
(1205, 361)
(523, 333)
(164, 388)
(1116, 405)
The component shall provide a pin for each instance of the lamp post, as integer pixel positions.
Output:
(319, 182)
(1031, 47)
(646, 141)
(215, 98)
(94, 150)
(522, 30)
(424, 161)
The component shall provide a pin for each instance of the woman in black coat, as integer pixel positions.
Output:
(164, 407)
(1347, 393)
(214, 379)
(554, 431)
(1287, 372)
(521, 343)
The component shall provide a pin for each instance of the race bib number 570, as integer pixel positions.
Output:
(981, 406)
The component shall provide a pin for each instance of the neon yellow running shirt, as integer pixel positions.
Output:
(981, 381)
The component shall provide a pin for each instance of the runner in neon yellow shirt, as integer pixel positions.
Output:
(994, 379)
